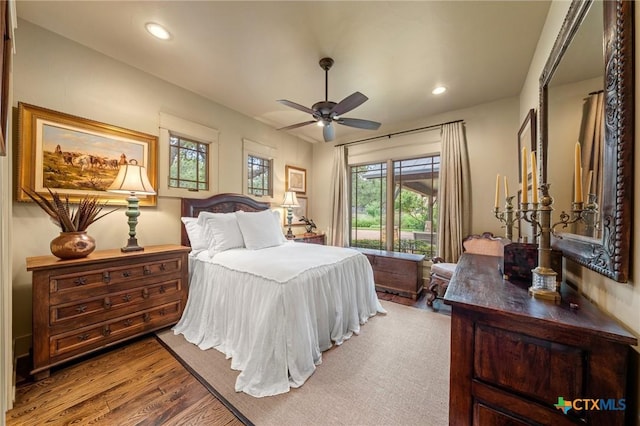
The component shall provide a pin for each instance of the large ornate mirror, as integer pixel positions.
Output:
(588, 84)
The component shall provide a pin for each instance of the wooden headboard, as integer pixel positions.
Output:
(220, 203)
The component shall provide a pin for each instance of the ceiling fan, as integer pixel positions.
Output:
(326, 112)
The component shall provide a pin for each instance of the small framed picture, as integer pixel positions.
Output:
(526, 138)
(295, 179)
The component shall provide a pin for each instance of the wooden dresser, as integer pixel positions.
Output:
(514, 358)
(396, 272)
(82, 305)
(311, 239)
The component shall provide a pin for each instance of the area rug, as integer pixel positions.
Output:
(396, 371)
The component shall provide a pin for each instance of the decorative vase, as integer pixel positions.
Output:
(72, 245)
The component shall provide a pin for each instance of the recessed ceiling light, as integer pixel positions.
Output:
(439, 90)
(157, 31)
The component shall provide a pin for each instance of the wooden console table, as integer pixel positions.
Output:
(513, 357)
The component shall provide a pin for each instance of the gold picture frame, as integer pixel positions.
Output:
(75, 156)
(296, 179)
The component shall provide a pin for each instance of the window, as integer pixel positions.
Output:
(187, 158)
(408, 224)
(188, 164)
(259, 176)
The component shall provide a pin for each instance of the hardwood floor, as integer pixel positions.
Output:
(137, 384)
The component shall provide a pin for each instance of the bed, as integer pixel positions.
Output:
(273, 310)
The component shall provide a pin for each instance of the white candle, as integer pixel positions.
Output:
(589, 182)
(577, 175)
(534, 178)
(497, 189)
(506, 188)
(525, 195)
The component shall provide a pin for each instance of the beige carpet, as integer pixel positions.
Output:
(395, 372)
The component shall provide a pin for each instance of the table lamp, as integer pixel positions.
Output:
(132, 179)
(290, 201)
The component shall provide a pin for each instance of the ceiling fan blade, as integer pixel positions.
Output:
(296, 106)
(347, 104)
(295, 126)
(328, 132)
(360, 124)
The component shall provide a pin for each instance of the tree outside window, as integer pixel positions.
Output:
(414, 208)
(259, 176)
(188, 164)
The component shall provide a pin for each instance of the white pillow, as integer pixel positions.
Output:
(260, 229)
(195, 232)
(222, 231)
(276, 214)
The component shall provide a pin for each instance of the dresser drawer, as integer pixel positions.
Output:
(101, 281)
(87, 309)
(537, 367)
(100, 334)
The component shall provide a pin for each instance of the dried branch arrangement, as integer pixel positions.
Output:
(64, 215)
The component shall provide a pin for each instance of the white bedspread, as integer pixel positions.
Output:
(273, 311)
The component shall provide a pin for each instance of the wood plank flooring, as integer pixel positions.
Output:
(140, 383)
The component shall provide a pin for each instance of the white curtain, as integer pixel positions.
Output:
(591, 140)
(340, 191)
(454, 192)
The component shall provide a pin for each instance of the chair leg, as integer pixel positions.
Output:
(437, 287)
(432, 293)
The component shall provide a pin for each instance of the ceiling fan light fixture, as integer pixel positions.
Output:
(326, 112)
(439, 90)
(157, 30)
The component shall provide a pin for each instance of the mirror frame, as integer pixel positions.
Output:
(609, 255)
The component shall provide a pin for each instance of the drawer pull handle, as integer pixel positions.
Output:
(126, 274)
(107, 303)
(81, 309)
(146, 317)
(145, 293)
(146, 270)
(127, 322)
(83, 337)
(80, 281)
(106, 277)
(126, 297)
(163, 267)
(106, 331)
(162, 289)
(163, 312)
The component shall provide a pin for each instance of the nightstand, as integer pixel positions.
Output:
(311, 239)
(83, 305)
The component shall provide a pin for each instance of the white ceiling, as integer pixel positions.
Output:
(246, 55)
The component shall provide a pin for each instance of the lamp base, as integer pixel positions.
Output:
(132, 245)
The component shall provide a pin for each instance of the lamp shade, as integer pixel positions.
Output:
(290, 199)
(132, 178)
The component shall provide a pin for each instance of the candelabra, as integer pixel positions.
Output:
(510, 217)
(507, 216)
(544, 284)
(584, 214)
(538, 214)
